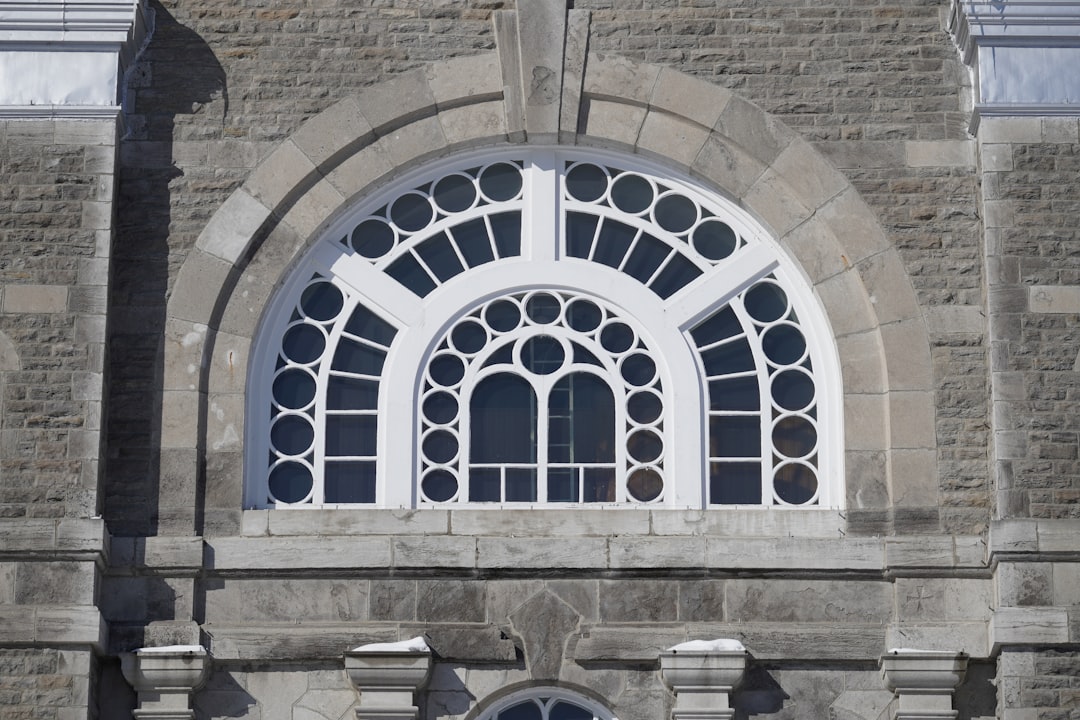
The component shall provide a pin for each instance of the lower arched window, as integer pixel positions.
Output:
(544, 327)
(545, 704)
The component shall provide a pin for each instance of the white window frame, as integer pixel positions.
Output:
(422, 321)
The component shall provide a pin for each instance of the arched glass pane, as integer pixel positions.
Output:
(527, 710)
(581, 420)
(502, 413)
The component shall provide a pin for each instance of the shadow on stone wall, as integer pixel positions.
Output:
(177, 75)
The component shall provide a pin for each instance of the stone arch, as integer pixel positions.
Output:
(724, 141)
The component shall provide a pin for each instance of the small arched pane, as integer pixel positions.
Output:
(502, 412)
(581, 420)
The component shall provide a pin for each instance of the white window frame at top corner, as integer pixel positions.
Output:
(543, 221)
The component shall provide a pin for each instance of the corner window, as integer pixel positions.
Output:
(544, 328)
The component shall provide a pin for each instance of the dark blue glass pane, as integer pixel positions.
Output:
(473, 242)
(766, 302)
(580, 231)
(638, 369)
(675, 213)
(617, 337)
(527, 710)
(599, 485)
(792, 390)
(501, 182)
(542, 355)
(407, 271)
(738, 436)
(440, 446)
(321, 301)
(648, 253)
(732, 357)
(485, 485)
(794, 437)
(735, 483)
(439, 256)
(520, 485)
(562, 485)
(446, 370)
(503, 416)
(714, 239)
(294, 389)
(783, 344)
(349, 482)
(614, 241)
(506, 228)
(350, 434)
(370, 326)
(292, 434)
(795, 483)
(584, 315)
(720, 326)
(503, 315)
(675, 275)
(734, 394)
(439, 485)
(631, 193)
(469, 337)
(565, 711)
(543, 308)
(454, 193)
(351, 394)
(581, 411)
(290, 482)
(356, 358)
(644, 407)
(372, 238)
(644, 446)
(412, 212)
(303, 343)
(440, 408)
(586, 182)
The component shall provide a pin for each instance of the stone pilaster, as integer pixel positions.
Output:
(923, 682)
(165, 679)
(387, 677)
(703, 681)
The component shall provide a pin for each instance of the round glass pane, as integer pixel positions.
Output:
(500, 182)
(586, 182)
(294, 389)
(784, 344)
(454, 193)
(440, 447)
(714, 239)
(290, 482)
(440, 408)
(411, 212)
(617, 337)
(632, 193)
(638, 369)
(372, 238)
(794, 437)
(503, 315)
(543, 308)
(292, 434)
(766, 302)
(645, 484)
(644, 407)
(321, 301)
(644, 446)
(469, 336)
(446, 370)
(793, 389)
(584, 315)
(542, 355)
(795, 483)
(303, 343)
(439, 485)
(675, 213)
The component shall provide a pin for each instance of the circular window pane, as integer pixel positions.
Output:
(675, 213)
(454, 193)
(542, 355)
(617, 337)
(766, 302)
(446, 370)
(503, 315)
(715, 240)
(586, 182)
(631, 193)
(793, 390)
(321, 301)
(645, 484)
(644, 407)
(439, 485)
(469, 336)
(440, 408)
(795, 483)
(292, 434)
(303, 343)
(794, 437)
(290, 482)
(644, 446)
(543, 308)
(411, 212)
(372, 239)
(584, 315)
(500, 182)
(440, 446)
(784, 344)
(639, 369)
(294, 389)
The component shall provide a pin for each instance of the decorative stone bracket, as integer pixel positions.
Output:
(924, 682)
(165, 679)
(387, 675)
(703, 675)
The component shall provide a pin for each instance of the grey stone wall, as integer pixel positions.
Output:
(1039, 684)
(47, 684)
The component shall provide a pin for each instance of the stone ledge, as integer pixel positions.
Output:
(54, 539)
(1035, 536)
(158, 553)
(52, 625)
(1029, 626)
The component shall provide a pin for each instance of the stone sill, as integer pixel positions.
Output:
(1035, 537)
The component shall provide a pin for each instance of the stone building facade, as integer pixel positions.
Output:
(173, 172)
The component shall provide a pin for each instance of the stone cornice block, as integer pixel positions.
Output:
(165, 678)
(67, 538)
(923, 681)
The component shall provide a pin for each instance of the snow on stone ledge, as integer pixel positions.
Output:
(417, 644)
(718, 645)
(915, 651)
(172, 649)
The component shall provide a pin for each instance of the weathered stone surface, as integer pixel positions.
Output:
(544, 623)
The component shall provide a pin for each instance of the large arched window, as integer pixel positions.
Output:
(544, 327)
(545, 704)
